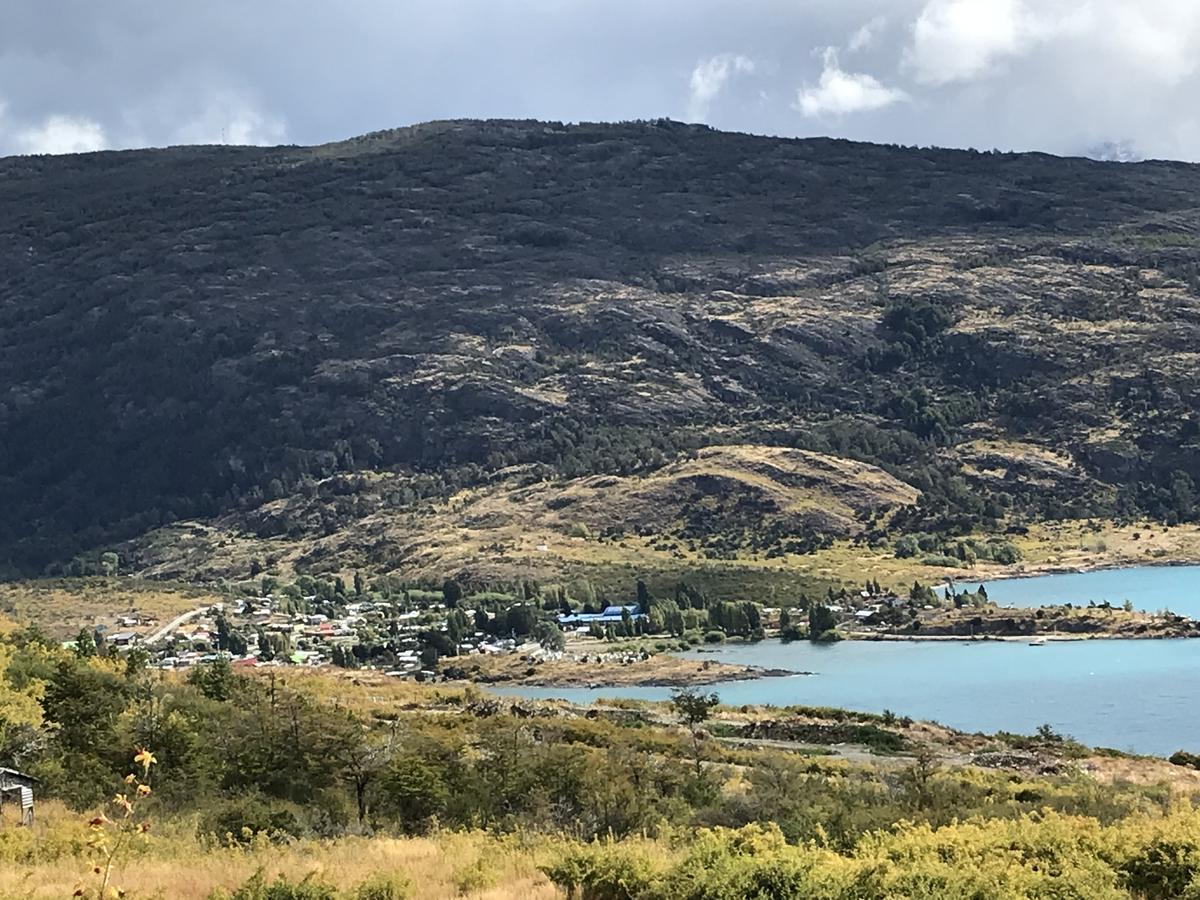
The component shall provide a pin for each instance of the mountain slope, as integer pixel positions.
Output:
(191, 333)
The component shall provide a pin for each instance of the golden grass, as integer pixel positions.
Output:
(659, 669)
(48, 861)
(62, 606)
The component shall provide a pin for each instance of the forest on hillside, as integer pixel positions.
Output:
(193, 332)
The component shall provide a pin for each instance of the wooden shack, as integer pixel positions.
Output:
(16, 789)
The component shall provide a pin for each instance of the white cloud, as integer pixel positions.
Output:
(958, 40)
(61, 134)
(229, 118)
(1160, 38)
(840, 92)
(709, 78)
(865, 37)
(963, 40)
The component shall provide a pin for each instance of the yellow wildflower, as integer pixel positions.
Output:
(143, 790)
(145, 758)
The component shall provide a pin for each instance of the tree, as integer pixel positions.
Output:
(519, 620)
(457, 626)
(85, 644)
(215, 680)
(266, 650)
(136, 661)
(644, 599)
(550, 636)
(238, 645)
(451, 592)
(109, 563)
(820, 620)
(18, 706)
(439, 641)
(360, 584)
(917, 778)
(626, 623)
(361, 756)
(694, 708)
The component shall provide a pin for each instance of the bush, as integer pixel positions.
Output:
(257, 888)
(714, 637)
(243, 817)
(937, 559)
(1164, 869)
(1183, 758)
(604, 872)
(1005, 553)
(383, 887)
(830, 636)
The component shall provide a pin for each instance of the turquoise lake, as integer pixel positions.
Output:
(1139, 696)
(1151, 588)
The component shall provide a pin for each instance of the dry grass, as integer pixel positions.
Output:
(47, 861)
(659, 669)
(62, 606)
(508, 530)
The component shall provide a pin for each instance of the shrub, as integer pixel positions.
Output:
(604, 872)
(257, 888)
(383, 887)
(714, 637)
(1163, 869)
(1183, 758)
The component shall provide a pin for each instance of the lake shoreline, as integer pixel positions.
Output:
(1076, 686)
(1045, 570)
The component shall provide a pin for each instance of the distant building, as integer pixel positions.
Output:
(17, 786)
(610, 615)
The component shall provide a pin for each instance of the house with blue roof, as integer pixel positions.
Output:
(610, 615)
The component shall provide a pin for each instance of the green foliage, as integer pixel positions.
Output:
(1183, 758)
(383, 887)
(549, 636)
(282, 888)
(821, 621)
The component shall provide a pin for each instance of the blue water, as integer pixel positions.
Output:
(1138, 696)
(1151, 588)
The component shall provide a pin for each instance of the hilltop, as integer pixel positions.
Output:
(435, 350)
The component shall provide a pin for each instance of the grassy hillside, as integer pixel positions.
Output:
(193, 335)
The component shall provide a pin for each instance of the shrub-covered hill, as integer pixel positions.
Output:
(193, 332)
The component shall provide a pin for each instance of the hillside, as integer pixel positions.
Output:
(354, 354)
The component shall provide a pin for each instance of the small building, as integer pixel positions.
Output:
(610, 615)
(18, 787)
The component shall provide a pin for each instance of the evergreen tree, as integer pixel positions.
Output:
(85, 644)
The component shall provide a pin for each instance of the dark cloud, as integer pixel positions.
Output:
(1058, 75)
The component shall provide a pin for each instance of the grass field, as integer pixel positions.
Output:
(51, 861)
(62, 606)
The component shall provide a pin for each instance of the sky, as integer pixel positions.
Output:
(1110, 78)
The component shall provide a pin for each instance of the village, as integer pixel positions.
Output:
(403, 637)
(424, 633)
